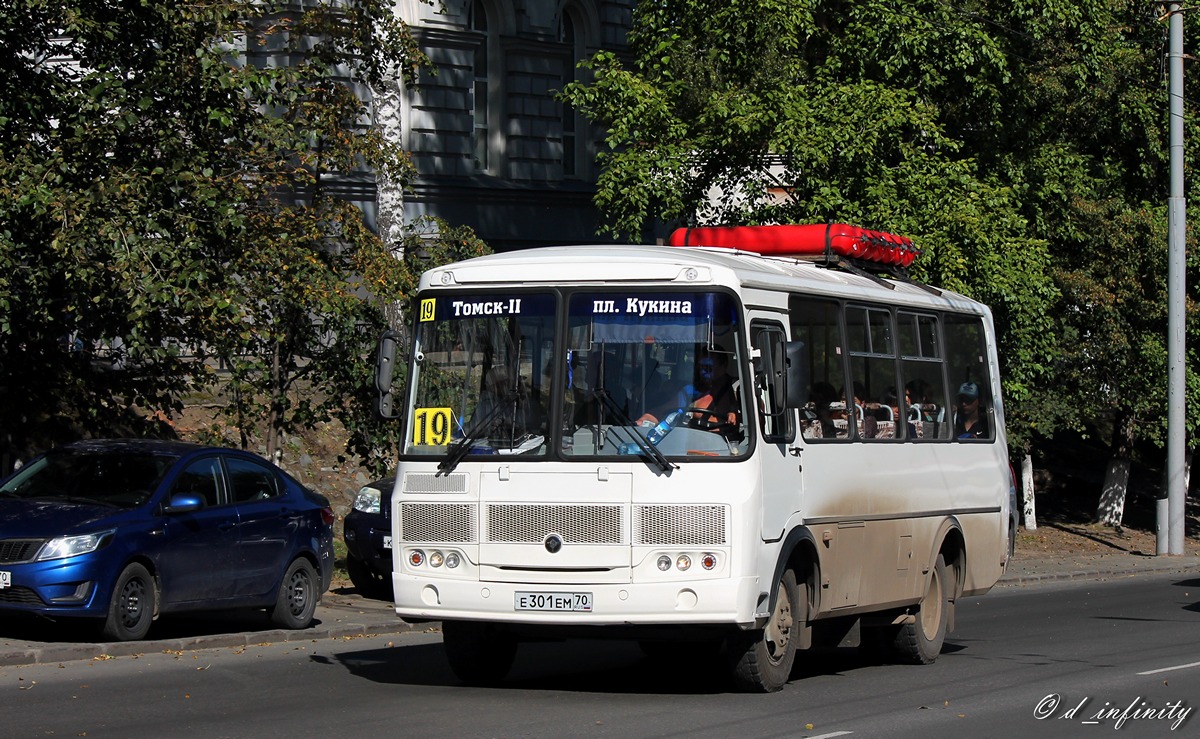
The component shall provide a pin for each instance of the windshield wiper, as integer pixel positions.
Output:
(462, 447)
(645, 446)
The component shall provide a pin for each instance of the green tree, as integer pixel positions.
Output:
(164, 192)
(1022, 144)
(796, 112)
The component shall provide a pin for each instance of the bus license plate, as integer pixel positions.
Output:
(5, 579)
(554, 601)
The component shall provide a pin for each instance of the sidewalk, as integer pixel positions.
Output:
(344, 614)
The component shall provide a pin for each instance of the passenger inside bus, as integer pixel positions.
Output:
(969, 421)
(820, 408)
(715, 393)
(712, 390)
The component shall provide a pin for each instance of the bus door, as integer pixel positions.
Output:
(779, 455)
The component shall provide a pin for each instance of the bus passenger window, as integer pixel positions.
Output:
(818, 324)
(966, 364)
(873, 371)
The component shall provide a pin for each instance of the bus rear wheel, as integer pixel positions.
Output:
(478, 653)
(920, 642)
(763, 659)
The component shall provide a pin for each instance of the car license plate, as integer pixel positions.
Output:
(553, 601)
(5, 579)
(387, 542)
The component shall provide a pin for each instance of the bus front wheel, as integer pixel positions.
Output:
(921, 641)
(478, 653)
(763, 658)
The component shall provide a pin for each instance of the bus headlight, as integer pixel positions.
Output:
(684, 563)
(708, 561)
(436, 559)
(453, 560)
(664, 563)
(416, 558)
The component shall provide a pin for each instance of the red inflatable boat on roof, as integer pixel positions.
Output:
(807, 240)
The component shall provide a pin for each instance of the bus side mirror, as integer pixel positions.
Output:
(385, 367)
(796, 379)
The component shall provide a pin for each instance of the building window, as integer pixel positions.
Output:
(479, 93)
(570, 156)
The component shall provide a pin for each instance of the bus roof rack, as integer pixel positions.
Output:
(854, 248)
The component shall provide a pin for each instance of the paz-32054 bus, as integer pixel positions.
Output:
(742, 450)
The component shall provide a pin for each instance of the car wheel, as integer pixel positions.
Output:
(131, 609)
(478, 653)
(297, 599)
(368, 582)
(764, 658)
(920, 642)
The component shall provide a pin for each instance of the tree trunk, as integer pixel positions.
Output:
(1027, 492)
(1112, 499)
(1116, 478)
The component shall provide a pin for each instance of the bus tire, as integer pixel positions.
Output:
(763, 658)
(921, 641)
(479, 653)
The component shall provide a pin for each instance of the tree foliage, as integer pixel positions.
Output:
(1021, 144)
(164, 192)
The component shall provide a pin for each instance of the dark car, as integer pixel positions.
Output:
(368, 534)
(122, 531)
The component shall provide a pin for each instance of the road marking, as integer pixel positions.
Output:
(1170, 669)
(830, 736)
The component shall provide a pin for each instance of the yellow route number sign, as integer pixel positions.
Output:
(431, 426)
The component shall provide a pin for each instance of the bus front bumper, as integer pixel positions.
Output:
(726, 601)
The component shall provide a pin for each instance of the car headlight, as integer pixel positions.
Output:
(367, 500)
(71, 546)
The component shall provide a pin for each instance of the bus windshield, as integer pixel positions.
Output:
(653, 374)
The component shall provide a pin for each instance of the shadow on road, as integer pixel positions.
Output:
(589, 666)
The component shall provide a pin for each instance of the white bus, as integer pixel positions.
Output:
(740, 450)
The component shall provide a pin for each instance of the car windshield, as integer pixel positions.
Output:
(121, 479)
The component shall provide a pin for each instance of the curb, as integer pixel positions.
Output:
(337, 628)
(1141, 566)
(352, 625)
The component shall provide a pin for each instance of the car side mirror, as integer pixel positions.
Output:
(183, 503)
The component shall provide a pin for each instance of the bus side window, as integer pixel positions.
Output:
(818, 324)
(969, 379)
(923, 367)
(769, 374)
(872, 347)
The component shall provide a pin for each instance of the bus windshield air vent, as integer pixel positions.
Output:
(680, 525)
(432, 483)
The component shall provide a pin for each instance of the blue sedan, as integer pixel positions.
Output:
(122, 531)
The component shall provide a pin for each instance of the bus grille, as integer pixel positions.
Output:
(437, 522)
(577, 524)
(680, 525)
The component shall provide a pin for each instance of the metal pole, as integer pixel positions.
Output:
(1177, 378)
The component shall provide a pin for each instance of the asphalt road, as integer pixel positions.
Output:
(1057, 659)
